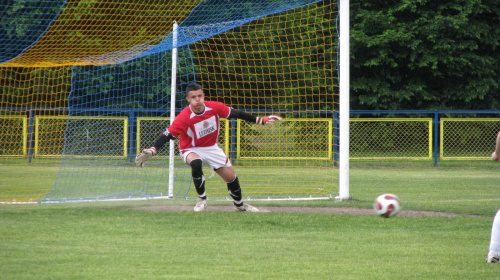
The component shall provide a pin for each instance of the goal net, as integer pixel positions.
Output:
(87, 85)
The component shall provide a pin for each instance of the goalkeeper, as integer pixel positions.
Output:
(197, 127)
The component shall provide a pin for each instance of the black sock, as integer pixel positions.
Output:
(234, 190)
(198, 178)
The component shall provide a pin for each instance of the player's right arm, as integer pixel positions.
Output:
(146, 154)
(496, 153)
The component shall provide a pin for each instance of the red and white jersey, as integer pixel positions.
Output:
(199, 130)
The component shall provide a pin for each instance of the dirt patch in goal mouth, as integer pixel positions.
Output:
(318, 210)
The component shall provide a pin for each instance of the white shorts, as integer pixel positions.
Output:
(213, 156)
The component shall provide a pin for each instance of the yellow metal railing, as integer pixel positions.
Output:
(94, 135)
(291, 139)
(13, 136)
(467, 138)
(390, 138)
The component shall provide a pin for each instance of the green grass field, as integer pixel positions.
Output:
(115, 240)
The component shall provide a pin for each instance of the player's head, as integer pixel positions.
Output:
(192, 86)
(196, 97)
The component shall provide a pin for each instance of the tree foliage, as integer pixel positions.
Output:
(425, 54)
(405, 54)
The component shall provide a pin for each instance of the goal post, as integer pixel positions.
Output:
(173, 93)
(344, 100)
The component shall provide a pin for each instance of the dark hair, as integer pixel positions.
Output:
(192, 86)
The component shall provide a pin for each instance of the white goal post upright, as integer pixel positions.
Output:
(344, 101)
(173, 86)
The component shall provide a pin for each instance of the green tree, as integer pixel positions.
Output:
(425, 54)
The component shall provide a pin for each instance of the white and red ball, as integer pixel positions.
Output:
(387, 205)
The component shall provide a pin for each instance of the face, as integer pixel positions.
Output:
(196, 100)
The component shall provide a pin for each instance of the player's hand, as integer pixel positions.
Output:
(495, 156)
(271, 119)
(145, 155)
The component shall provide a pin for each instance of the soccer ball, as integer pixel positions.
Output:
(387, 205)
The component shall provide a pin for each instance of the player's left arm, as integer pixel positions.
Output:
(146, 154)
(237, 114)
